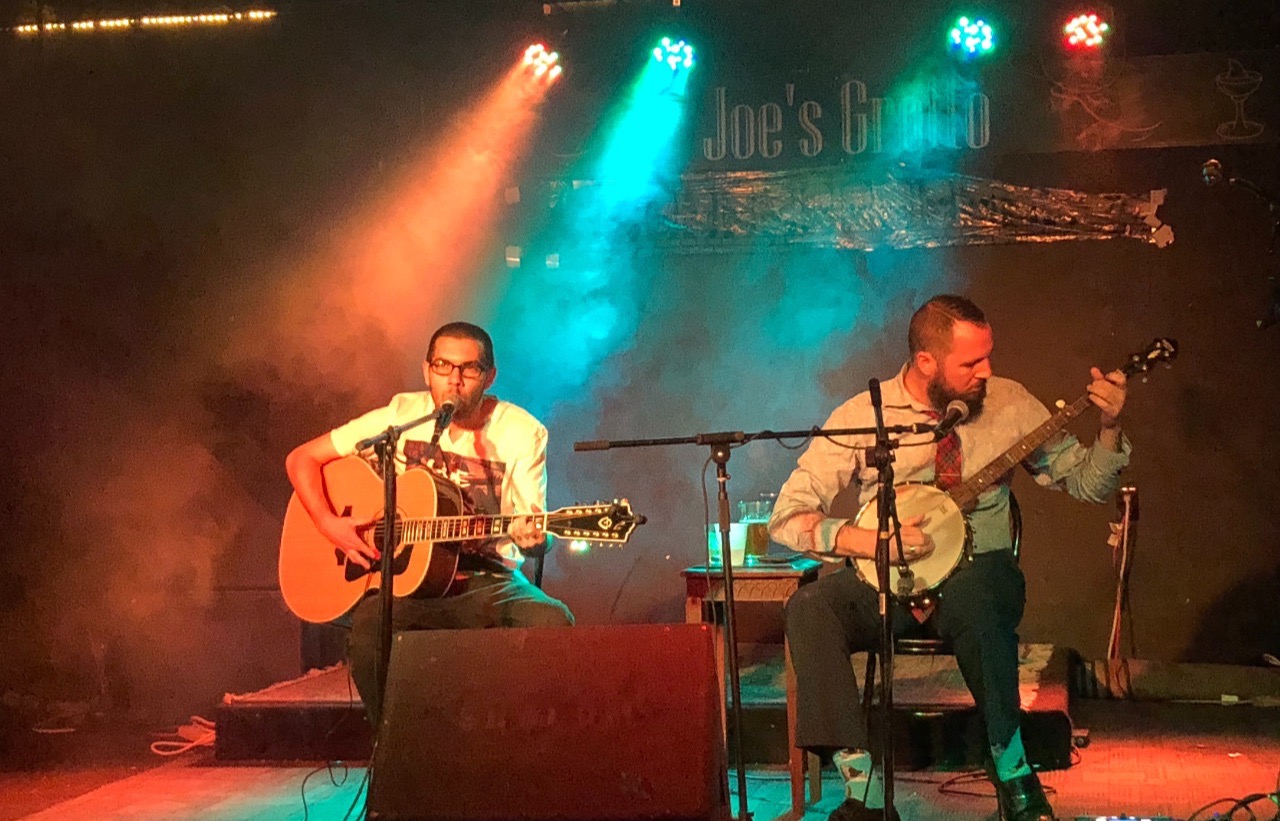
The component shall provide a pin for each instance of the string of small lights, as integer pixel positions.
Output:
(163, 21)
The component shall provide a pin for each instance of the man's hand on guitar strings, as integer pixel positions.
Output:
(344, 532)
(1108, 393)
(526, 531)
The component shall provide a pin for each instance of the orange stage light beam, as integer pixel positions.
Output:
(428, 237)
(396, 266)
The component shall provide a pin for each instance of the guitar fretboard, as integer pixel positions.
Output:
(454, 528)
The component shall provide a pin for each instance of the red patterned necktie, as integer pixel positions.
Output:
(946, 475)
(946, 462)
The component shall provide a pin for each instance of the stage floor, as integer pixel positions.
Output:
(1143, 759)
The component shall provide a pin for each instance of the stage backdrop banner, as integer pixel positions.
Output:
(861, 163)
(1072, 105)
(829, 208)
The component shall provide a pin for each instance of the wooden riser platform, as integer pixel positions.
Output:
(316, 717)
(935, 721)
(319, 716)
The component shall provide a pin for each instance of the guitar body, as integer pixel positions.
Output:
(319, 584)
(944, 522)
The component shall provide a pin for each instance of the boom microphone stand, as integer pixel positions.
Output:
(384, 446)
(1213, 173)
(881, 456)
(721, 444)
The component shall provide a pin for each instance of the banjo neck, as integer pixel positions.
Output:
(949, 526)
(965, 494)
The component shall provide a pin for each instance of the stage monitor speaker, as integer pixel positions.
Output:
(600, 723)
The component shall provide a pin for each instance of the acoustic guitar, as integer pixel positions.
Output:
(432, 530)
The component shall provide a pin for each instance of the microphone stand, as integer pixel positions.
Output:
(1273, 206)
(881, 456)
(1213, 173)
(721, 444)
(384, 447)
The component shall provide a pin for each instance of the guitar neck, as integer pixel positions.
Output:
(966, 493)
(457, 528)
(597, 523)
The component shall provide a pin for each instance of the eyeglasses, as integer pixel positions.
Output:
(443, 367)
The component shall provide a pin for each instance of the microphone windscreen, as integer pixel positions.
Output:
(1212, 172)
(444, 417)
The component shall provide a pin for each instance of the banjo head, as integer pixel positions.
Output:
(943, 522)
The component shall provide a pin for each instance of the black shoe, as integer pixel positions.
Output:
(850, 810)
(1023, 799)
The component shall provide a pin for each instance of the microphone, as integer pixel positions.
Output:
(877, 405)
(444, 415)
(956, 413)
(1212, 172)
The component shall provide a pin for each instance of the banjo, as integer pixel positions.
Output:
(943, 511)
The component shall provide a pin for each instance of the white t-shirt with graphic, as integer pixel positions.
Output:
(501, 468)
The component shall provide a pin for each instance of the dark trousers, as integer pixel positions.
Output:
(979, 608)
(484, 600)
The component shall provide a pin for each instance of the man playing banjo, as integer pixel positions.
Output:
(979, 602)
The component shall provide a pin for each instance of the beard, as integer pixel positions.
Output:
(469, 405)
(940, 395)
(465, 402)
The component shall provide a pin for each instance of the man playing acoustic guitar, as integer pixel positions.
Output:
(493, 451)
(979, 602)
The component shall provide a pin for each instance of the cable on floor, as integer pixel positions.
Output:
(201, 732)
(329, 767)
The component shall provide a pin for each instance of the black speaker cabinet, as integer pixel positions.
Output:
(597, 723)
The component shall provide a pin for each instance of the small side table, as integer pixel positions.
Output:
(763, 582)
